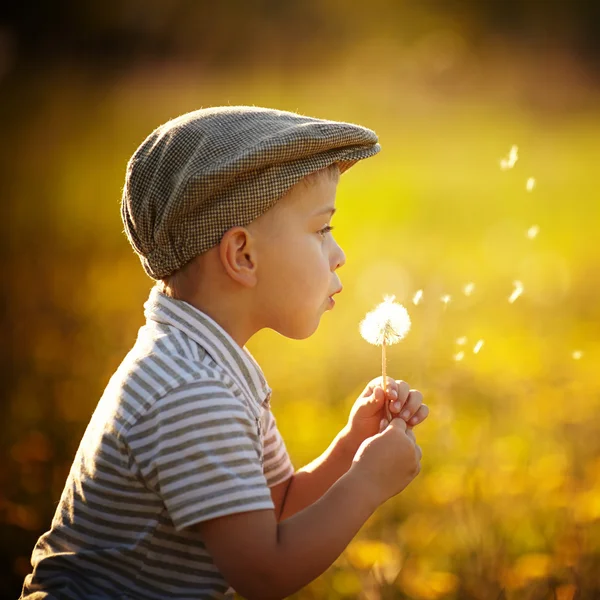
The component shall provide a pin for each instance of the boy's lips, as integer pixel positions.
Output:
(330, 299)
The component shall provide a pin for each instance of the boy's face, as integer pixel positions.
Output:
(298, 257)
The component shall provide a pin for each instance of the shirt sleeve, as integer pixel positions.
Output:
(199, 449)
(277, 465)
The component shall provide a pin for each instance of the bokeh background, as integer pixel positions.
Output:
(508, 502)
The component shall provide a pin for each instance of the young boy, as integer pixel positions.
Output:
(182, 486)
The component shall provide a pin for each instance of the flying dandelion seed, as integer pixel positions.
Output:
(533, 231)
(577, 354)
(461, 341)
(387, 324)
(530, 184)
(478, 347)
(511, 160)
(516, 292)
(446, 299)
(459, 356)
(469, 288)
(417, 297)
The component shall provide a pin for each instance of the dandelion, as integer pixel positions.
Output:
(469, 288)
(446, 299)
(577, 354)
(461, 341)
(387, 324)
(532, 232)
(530, 184)
(459, 356)
(478, 347)
(510, 161)
(516, 292)
(417, 297)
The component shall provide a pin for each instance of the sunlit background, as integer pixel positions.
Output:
(493, 249)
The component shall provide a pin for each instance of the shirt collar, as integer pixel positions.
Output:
(224, 350)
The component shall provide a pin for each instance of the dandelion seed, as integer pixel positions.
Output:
(577, 354)
(446, 299)
(510, 161)
(530, 184)
(469, 288)
(387, 324)
(459, 356)
(478, 347)
(417, 297)
(516, 292)
(461, 341)
(533, 231)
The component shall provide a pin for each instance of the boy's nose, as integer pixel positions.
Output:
(339, 258)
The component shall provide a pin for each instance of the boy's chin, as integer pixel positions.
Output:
(297, 331)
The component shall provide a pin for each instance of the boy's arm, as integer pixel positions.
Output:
(262, 559)
(271, 560)
(309, 483)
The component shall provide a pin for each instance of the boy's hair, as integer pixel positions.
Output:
(210, 170)
(332, 173)
(171, 284)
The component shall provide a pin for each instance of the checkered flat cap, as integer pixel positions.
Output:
(204, 172)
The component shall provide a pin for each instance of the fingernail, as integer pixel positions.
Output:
(413, 420)
(405, 414)
(393, 394)
(397, 406)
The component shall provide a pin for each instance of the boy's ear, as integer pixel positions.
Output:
(237, 252)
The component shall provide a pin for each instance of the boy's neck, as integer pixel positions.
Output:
(227, 315)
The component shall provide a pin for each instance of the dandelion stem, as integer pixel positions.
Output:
(388, 414)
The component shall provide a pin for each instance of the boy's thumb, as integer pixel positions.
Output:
(397, 423)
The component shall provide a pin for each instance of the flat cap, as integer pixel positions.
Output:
(200, 174)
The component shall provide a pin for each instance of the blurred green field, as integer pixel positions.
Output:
(508, 502)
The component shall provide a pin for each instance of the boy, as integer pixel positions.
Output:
(182, 486)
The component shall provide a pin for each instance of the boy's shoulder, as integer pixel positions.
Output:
(160, 370)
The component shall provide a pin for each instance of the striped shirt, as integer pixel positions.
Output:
(183, 433)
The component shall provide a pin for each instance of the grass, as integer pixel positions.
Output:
(508, 502)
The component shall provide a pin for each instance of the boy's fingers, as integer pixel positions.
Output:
(398, 424)
(388, 385)
(400, 396)
(419, 416)
(413, 402)
(373, 385)
(378, 394)
(410, 434)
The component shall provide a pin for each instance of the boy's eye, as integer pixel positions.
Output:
(325, 230)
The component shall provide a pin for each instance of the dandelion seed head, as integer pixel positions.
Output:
(469, 288)
(533, 231)
(478, 346)
(577, 354)
(389, 321)
(530, 184)
(511, 160)
(459, 356)
(516, 292)
(417, 297)
(461, 341)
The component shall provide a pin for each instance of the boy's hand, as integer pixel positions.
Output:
(388, 461)
(369, 416)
